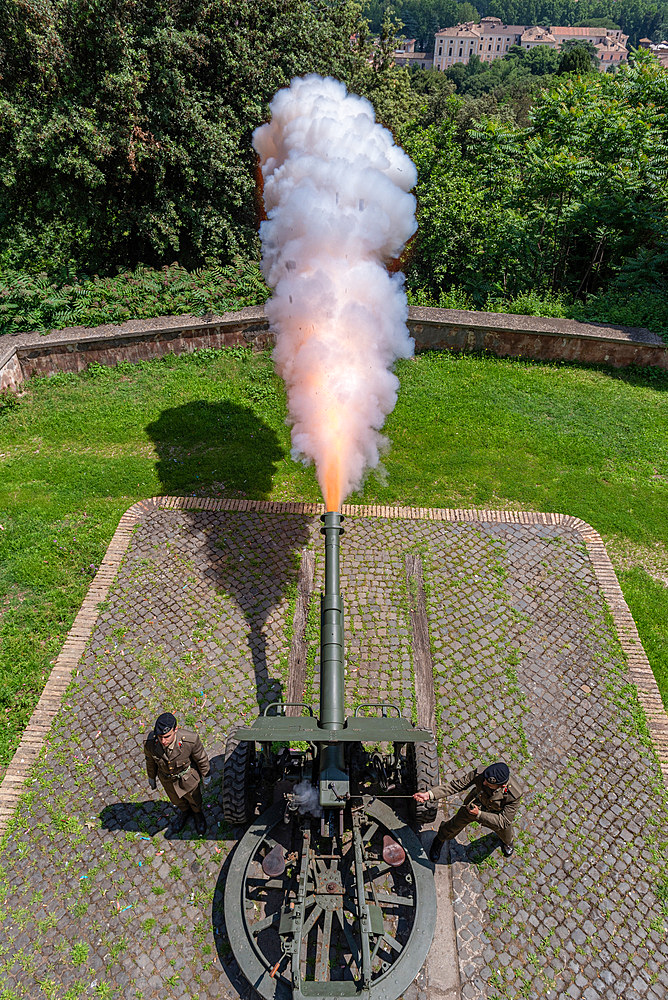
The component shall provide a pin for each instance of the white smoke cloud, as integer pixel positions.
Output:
(307, 799)
(338, 208)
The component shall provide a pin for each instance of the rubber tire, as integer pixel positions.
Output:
(239, 798)
(422, 760)
(357, 762)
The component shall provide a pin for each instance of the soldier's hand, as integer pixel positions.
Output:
(152, 784)
(473, 809)
(421, 796)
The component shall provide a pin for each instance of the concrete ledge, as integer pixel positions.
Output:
(73, 349)
(502, 334)
(540, 337)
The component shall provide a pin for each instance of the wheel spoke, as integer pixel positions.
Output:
(352, 943)
(392, 941)
(262, 925)
(378, 870)
(389, 897)
(267, 883)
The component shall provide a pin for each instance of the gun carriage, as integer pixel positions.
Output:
(329, 893)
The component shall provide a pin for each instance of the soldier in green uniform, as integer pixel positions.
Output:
(177, 757)
(493, 800)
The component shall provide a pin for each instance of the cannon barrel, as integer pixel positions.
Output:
(334, 781)
(332, 706)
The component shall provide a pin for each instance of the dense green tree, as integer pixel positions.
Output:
(125, 125)
(574, 203)
(578, 57)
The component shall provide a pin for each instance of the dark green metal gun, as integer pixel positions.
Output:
(329, 892)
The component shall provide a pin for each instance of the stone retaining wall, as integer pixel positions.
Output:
(502, 334)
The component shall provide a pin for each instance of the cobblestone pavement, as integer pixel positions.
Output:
(101, 900)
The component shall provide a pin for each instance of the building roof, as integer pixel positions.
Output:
(459, 31)
(501, 29)
(581, 32)
(537, 34)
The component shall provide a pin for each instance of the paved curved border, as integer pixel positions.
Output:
(84, 623)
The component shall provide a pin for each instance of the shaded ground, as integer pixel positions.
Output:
(102, 900)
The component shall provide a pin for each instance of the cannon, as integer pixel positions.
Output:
(329, 892)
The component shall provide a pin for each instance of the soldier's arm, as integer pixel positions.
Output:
(151, 766)
(457, 784)
(199, 758)
(502, 820)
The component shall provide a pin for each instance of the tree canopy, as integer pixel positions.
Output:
(125, 125)
(125, 143)
(575, 202)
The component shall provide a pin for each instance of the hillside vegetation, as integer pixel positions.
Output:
(125, 148)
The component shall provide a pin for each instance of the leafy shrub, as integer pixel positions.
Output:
(8, 401)
(29, 302)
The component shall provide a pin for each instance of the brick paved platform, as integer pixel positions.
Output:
(100, 900)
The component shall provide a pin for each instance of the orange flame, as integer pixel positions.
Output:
(332, 483)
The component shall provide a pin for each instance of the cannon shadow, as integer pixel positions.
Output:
(223, 449)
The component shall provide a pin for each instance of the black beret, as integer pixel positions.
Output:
(498, 773)
(164, 723)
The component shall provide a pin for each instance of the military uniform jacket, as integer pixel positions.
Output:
(498, 806)
(182, 765)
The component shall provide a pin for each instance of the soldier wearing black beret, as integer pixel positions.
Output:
(493, 800)
(177, 757)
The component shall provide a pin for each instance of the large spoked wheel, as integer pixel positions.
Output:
(422, 761)
(336, 913)
(239, 791)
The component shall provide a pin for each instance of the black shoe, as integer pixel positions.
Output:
(200, 823)
(507, 849)
(181, 821)
(435, 849)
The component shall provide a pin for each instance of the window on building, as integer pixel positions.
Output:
(449, 52)
(498, 48)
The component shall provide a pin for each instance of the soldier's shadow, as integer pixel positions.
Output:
(154, 816)
(474, 853)
(224, 449)
(150, 818)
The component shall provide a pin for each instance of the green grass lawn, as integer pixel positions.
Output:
(78, 450)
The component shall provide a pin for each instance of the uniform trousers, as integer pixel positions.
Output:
(449, 828)
(191, 800)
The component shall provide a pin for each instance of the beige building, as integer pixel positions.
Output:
(405, 55)
(491, 39)
(660, 50)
